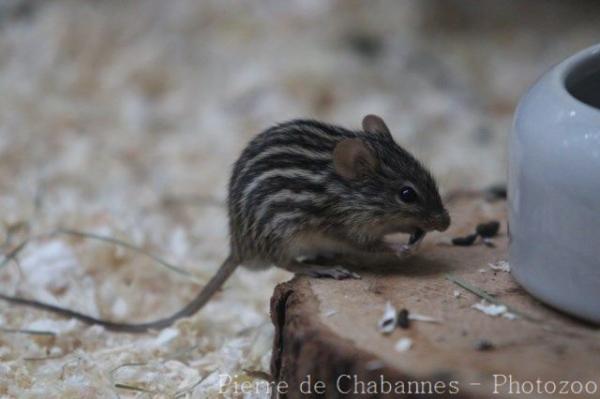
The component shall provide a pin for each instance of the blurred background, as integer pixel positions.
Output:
(123, 118)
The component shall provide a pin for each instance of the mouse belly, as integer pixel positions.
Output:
(303, 248)
(313, 245)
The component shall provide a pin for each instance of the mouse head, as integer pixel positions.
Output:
(387, 189)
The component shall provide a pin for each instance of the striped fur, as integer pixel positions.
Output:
(287, 201)
(284, 185)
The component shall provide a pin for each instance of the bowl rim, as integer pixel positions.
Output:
(564, 71)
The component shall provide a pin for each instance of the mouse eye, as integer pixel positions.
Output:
(407, 195)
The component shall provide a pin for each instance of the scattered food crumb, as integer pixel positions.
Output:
(489, 229)
(494, 310)
(330, 312)
(403, 344)
(484, 345)
(388, 322)
(457, 294)
(482, 270)
(420, 317)
(464, 241)
(374, 365)
(509, 316)
(490, 308)
(403, 318)
(501, 266)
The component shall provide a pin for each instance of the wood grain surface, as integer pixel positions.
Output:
(328, 329)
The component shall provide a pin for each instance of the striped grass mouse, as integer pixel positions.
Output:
(303, 193)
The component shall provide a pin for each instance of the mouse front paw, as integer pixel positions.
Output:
(405, 250)
(402, 249)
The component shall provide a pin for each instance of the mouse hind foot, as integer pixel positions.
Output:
(319, 271)
(335, 272)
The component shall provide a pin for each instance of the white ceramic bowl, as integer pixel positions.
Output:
(554, 187)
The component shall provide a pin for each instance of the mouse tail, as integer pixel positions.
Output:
(207, 292)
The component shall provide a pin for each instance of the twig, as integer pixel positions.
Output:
(124, 244)
(43, 358)
(259, 374)
(132, 388)
(113, 371)
(13, 253)
(127, 386)
(488, 297)
(11, 230)
(190, 388)
(82, 234)
(73, 313)
(26, 331)
(472, 289)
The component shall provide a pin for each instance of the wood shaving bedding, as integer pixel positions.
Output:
(122, 119)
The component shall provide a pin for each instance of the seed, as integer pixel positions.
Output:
(403, 321)
(489, 229)
(496, 192)
(484, 345)
(464, 241)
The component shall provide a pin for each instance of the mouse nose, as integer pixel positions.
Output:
(442, 221)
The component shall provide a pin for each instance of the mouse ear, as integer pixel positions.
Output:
(375, 125)
(352, 159)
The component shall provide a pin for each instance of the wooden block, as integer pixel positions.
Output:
(327, 329)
